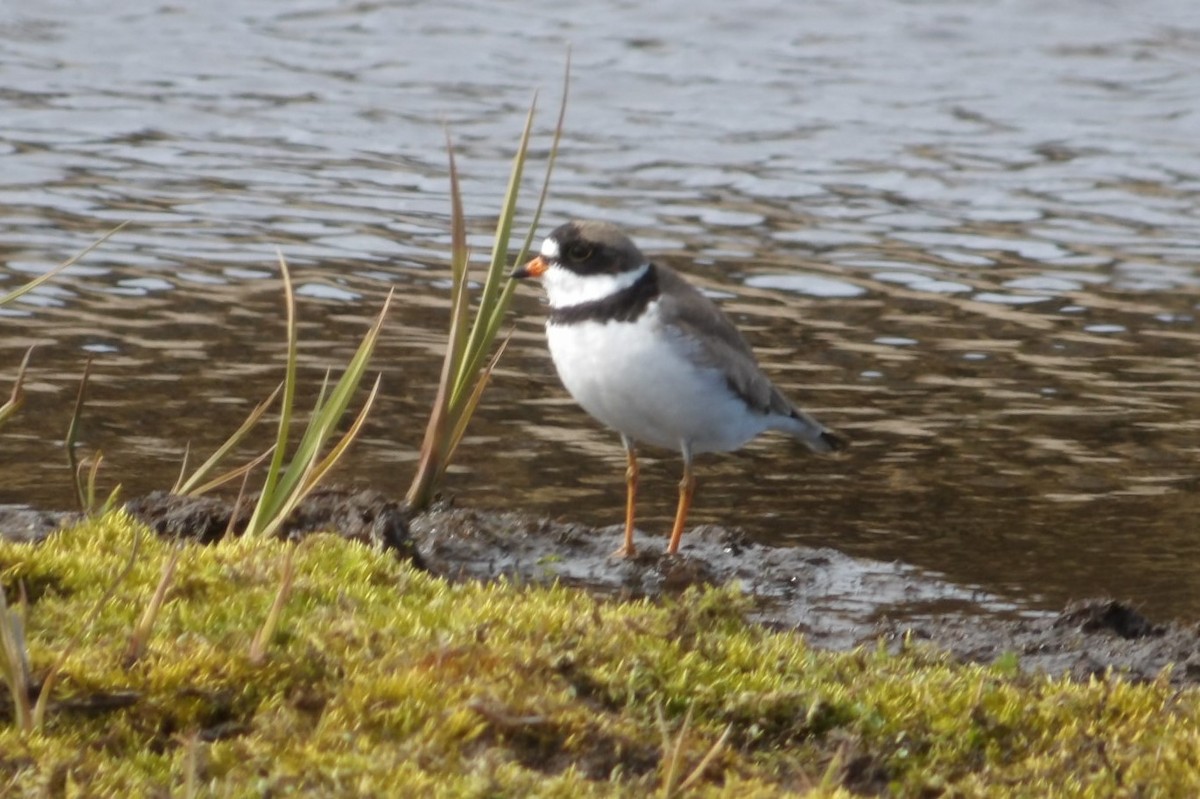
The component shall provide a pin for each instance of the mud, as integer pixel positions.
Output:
(836, 601)
(364, 516)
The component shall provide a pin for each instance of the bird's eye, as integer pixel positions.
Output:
(579, 251)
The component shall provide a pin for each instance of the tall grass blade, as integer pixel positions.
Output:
(14, 659)
(315, 470)
(284, 487)
(430, 465)
(141, 634)
(258, 647)
(183, 464)
(93, 474)
(194, 485)
(674, 754)
(242, 471)
(706, 761)
(460, 256)
(237, 503)
(339, 449)
(114, 497)
(466, 367)
(17, 398)
(496, 312)
(306, 467)
(478, 345)
(464, 418)
(258, 520)
(67, 264)
(73, 436)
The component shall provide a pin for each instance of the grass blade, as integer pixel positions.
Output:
(261, 510)
(295, 481)
(187, 452)
(709, 757)
(477, 344)
(459, 259)
(430, 465)
(460, 427)
(14, 659)
(141, 634)
(242, 471)
(339, 449)
(110, 503)
(237, 503)
(258, 647)
(67, 264)
(190, 485)
(73, 435)
(673, 755)
(93, 473)
(315, 471)
(464, 374)
(17, 398)
(496, 313)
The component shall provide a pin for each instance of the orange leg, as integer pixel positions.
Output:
(687, 486)
(627, 549)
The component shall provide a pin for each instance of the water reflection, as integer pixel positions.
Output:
(965, 233)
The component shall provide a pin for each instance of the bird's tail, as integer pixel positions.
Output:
(812, 433)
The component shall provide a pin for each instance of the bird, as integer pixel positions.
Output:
(647, 354)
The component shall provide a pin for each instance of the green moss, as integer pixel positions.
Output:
(382, 680)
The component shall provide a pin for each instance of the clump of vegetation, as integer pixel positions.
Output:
(289, 481)
(466, 366)
(285, 487)
(383, 680)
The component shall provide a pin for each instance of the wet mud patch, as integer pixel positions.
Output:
(30, 525)
(837, 601)
(1088, 639)
(1111, 617)
(364, 516)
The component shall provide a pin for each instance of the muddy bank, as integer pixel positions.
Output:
(837, 601)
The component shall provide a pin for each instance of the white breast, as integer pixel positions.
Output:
(638, 378)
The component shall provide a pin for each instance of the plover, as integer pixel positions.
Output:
(645, 353)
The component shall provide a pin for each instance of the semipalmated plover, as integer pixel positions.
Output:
(648, 355)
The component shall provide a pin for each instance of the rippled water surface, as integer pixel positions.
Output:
(965, 233)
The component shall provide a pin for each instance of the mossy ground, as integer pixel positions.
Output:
(382, 680)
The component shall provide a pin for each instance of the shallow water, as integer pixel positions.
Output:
(963, 233)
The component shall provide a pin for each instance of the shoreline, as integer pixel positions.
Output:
(836, 601)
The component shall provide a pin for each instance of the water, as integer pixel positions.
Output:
(963, 233)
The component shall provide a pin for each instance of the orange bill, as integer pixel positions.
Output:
(535, 268)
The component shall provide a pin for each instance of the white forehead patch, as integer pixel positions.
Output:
(550, 249)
